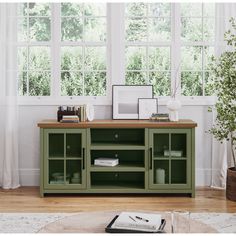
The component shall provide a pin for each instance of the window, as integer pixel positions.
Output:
(83, 49)
(197, 40)
(34, 49)
(77, 50)
(148, 41)
(154, 43)
(75, 33)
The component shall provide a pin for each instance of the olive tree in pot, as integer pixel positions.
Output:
(224, 72)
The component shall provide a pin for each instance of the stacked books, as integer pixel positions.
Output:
(82, 113)
(70, 119)
(160, 117)
(136, 221)
(173, 153)
(106, 162)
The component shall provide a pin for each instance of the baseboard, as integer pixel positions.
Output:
(30, 177)
(203, 177)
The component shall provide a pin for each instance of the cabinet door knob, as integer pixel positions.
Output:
(116, 135)
(68, 146)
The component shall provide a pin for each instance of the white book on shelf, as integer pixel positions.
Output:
(174, 153)
(138, 221)
(106, 162)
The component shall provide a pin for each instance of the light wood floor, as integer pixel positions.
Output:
(27, 199)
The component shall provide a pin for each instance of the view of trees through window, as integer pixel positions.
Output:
(148, 46)
(82, 45)
(79, 33)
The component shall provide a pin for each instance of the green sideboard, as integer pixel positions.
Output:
(154, 157)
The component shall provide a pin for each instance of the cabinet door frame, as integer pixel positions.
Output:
(64, 158)
(188, 159)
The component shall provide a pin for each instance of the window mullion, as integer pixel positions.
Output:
(117, 42)
(55, 49)
(176, 48)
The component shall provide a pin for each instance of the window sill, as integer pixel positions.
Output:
(60, 101)
(190, 101)
(105, 101)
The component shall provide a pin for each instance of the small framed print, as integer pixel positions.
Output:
(125, 100)
(147, 106)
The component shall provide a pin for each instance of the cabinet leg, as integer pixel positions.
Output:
(41, 194)
(192, 194)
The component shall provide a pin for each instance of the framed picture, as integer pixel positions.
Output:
(147, 106)
(125, 100)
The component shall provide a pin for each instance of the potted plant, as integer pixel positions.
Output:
(224, 72)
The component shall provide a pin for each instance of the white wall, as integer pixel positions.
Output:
(29, 157)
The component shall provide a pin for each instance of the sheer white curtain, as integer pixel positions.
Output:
(220, 153)
(9, 171)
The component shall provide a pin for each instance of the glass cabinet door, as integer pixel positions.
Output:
(65, 159)
(169, 158)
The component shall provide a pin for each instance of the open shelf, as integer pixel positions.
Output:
(124, 137)
(127, 158)
(117, 180)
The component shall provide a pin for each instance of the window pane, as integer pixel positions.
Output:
(136, 9)
(159, 29)
(22, 58)
(95, 58)
(95, 29)
(159, 9)
(208, 29)
(39, 29)
(39, 9)
(39, 83)
(191, 29)
(71, 29)
(71, 9)
(191, 58)
(191, 9)
(159, 58)
(22, 34)
(22, 9)
(135, 78)
(95, 9)
(136, 29)
(95, 83)
(39, 58)
(160, 82)
(136, 58)
(208, 53)
(71, 58)
(209, 81)
(209, 9)
(191, 83)
(22, 83)
(71, 83)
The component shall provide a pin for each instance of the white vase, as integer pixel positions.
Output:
(173, 106)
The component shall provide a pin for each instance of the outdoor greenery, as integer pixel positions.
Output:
(224, 69)
(151, 23)
(84, 66)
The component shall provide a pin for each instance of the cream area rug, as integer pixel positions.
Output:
(34, 222)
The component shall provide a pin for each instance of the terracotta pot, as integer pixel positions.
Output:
(231, 184)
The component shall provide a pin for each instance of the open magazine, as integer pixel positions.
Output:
(138, 221)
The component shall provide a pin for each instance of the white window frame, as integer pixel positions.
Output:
(115, 62)
(55, 98)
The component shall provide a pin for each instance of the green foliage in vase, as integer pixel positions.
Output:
(224, 70)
